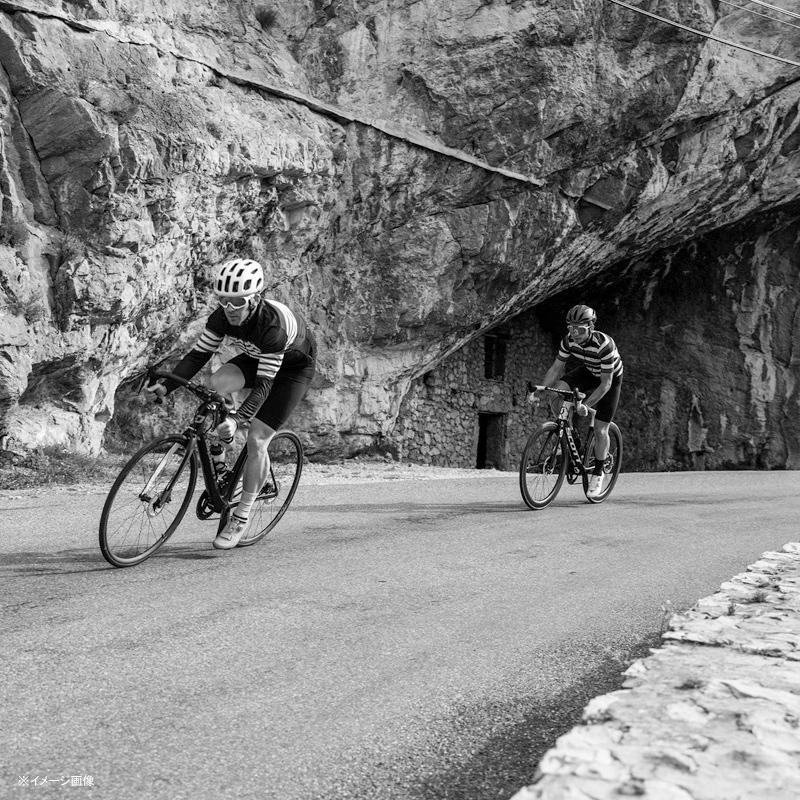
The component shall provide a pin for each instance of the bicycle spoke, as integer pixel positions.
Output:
(136, 520)
(542, 467)
(286, 464)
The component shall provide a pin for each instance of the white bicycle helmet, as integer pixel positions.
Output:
(239, 277)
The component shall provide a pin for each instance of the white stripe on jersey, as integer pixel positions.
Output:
(598, 355)
(269, 364)
(209, 342)
(288, 319)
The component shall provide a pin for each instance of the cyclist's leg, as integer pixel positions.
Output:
(604, 413)
(604, 416)
(288, 389)
(256, 468)
(601, 444)
(578, 377)
(235, 375)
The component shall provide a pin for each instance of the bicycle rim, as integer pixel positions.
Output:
(542, 467)
(286, 466)
(138, 516)
(611, 466)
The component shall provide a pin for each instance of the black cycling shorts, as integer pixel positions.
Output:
(288, 388)
(580, 378)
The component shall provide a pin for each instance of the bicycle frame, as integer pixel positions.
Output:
(197, 447)
(566, 429)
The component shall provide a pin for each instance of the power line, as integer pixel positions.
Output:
(704, 34)
(776, 8)
(760, 14)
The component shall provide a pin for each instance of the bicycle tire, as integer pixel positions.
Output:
(542, 467)
(286, 466)
(611, 466)
(120, 543)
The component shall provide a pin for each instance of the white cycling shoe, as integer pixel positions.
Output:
(230, 535)
(595, 486)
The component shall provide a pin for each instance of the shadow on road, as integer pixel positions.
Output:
(62, 562)
(76, 562)
(466, 508)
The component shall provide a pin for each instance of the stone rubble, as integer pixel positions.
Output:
(713, 714)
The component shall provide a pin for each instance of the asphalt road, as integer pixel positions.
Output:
(414, 640)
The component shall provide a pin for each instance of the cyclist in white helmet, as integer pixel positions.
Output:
(276, 363)
(588, 360)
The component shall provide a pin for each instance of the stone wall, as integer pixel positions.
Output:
(439, 419)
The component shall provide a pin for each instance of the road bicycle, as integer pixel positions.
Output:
(554, 452)
(153, 491)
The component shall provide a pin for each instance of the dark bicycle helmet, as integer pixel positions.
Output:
(581, 314)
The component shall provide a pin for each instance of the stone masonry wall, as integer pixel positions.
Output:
(438, 420)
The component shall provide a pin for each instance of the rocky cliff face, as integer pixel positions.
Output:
(412, 173)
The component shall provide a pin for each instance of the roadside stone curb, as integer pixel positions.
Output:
(712, 714)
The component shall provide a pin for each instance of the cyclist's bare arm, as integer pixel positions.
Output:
(555, 373)
(597, 395)
(551, 377)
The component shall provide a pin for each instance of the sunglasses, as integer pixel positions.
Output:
(236, 304)
(575, 327)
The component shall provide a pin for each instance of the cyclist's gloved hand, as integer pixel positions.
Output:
(533, 398)
(227, 428)
(157, 391)
(582, 409)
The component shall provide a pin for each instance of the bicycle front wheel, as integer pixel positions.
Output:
(147, 501)
(543, 466)
(611, 465)
(286, 465)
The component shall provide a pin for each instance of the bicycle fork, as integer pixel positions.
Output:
(157, 503)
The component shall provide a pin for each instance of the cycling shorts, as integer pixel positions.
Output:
(288, 388)
(580, 378)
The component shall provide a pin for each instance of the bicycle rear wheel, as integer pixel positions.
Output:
(611, 466)
(147, 501)
(542, 467)
(286, 465)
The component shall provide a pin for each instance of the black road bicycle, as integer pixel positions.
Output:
(155, 488)
(554, 452)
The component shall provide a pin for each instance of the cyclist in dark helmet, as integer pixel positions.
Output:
(588, 360)
(276, 363)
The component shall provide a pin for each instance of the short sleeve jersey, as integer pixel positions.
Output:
(599, 354)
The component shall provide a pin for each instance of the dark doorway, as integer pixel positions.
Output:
(491, 441)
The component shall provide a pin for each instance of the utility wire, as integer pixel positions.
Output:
(760, 14)
(705, 35)
(776, 8)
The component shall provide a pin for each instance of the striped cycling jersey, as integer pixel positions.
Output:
(268, 336)
(599, 354)
(273, 334)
